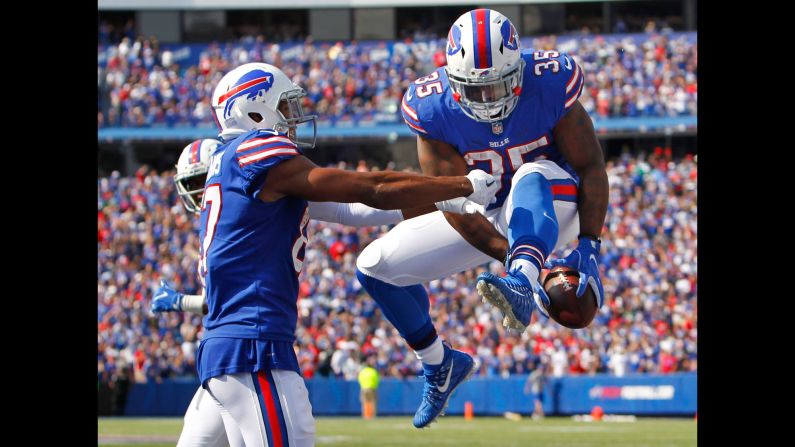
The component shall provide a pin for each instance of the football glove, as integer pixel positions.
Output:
(460, 205)
(585, 259)
(484, 186)
(166, 299)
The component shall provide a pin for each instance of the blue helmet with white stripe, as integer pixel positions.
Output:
(484, 64)
(260, 96)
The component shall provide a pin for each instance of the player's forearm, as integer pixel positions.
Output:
(592, 200)
(409, 213)
(480, 233)
(397, 190)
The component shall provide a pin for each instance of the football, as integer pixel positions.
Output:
(561, 284)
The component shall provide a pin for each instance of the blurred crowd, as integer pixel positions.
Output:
(648, 323)
(140, 85)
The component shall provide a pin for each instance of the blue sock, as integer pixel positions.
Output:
(407, 308)
(533, 228)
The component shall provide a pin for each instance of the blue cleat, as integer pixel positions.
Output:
(455, 369)
(512, 295)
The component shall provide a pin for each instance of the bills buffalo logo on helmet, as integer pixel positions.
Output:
(251, 84)
(509, 36)
(453, 41)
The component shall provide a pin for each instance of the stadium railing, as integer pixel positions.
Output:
(640, 125)
(642, 394)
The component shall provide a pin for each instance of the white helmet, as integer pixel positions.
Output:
(484, 64)
(192, 167)
(257, 96)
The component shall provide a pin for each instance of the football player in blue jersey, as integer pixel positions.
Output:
(253, 223)
(513, 113)
(203, 425)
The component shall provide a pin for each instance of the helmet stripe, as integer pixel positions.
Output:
(481, 38)
(487, 31)
(475, 39)
(194, 152)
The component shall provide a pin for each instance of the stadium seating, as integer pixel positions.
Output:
(142, 83)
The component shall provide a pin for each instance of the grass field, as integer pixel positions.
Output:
(452, 431)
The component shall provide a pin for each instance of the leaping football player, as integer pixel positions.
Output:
(513, 113)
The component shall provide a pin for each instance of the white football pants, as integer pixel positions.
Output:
(269, 408)
(426, 247)
(203, 425)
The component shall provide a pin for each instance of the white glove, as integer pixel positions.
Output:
(460, 205)
(484, 187)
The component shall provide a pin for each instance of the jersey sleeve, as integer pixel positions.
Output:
(575, 81)
(259, 153)
(418, 113)
(562, 78)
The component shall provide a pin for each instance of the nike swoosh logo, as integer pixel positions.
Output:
(408, 95)
(490, 183)
(443, 389)
(568, 63)
(161, 295)
(595, 287)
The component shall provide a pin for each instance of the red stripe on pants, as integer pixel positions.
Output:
(270, 406)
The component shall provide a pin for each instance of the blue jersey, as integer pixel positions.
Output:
(551, 85)
(251, 255)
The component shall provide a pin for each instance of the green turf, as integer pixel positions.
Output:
(453, 431)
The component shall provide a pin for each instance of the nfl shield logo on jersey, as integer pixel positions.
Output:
(496, 127)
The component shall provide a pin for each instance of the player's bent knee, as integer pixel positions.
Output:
(548, 169)
(372, 260)
(369, 257)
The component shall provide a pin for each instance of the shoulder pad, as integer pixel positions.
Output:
(264, 144)
(560, 76)
(420, 101)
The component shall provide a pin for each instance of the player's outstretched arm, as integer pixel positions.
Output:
(577, 141)
(384, 189)
(361, 215)
(439, 158)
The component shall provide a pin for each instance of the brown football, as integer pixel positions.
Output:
(565, 308)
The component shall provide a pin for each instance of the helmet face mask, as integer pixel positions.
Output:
(292, 115)
(190, 187)
(192, 168)
(491, 100)
(484, 65)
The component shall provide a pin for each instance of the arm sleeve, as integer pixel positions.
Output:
(353, 214)
(193, 303)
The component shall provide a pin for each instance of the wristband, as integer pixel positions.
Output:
(193, 303)
(594, 238)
